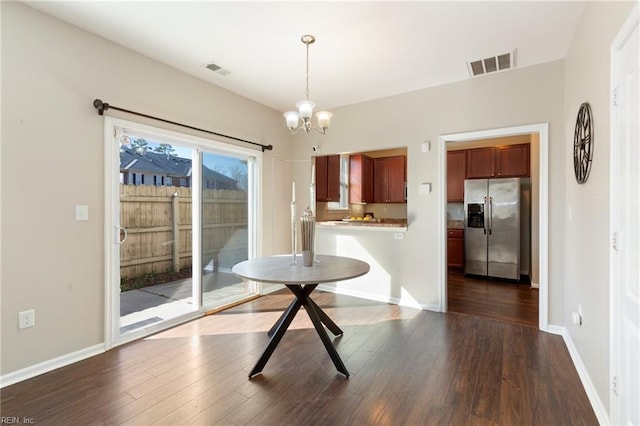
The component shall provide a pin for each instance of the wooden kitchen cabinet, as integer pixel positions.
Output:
(512, 161)
(360, 179)
(456, 173)
(498, 162)
(481, 163)
(389, 179)
(328, 178)
(455, 248)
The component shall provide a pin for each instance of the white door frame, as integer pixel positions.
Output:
(618, 400)
(111, 209)
(542, 129)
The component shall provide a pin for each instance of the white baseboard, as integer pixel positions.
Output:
(50, 365)
(371, 296)
(596, 403)
(535, 285)
(555, 329)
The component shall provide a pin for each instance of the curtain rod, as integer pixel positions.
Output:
(103, 106)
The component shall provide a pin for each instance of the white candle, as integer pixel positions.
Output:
(293, 192)
(312, 198)
(294, 213)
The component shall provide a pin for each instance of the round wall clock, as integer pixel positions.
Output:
(583, 143)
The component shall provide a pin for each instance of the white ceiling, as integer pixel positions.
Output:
(363, 50)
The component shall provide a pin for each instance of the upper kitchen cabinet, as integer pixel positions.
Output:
(481, 163)
(456, 173)
(389, 179)
(360, 179)
(512, 161)
(328, 178)
(498, 162)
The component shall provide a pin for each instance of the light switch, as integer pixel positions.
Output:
(424, 189)
(82, 212)
(426, 146)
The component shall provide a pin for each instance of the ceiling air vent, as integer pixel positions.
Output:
(217, 69)
(492, 64)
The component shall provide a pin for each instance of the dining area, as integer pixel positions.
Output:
(349, 359)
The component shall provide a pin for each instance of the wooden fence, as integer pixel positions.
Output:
(158, 224)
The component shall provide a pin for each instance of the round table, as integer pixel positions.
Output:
(301, 281)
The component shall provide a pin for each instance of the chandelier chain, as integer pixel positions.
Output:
(307, 70)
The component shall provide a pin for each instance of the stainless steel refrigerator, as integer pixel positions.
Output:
(492, 227)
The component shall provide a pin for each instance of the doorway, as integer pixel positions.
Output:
(180, 214)
(539, 258)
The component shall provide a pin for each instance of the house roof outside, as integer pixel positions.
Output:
(150, 162)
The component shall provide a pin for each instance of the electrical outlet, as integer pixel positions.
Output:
(26, 319)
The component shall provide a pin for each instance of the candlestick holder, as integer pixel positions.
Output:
(308, 229)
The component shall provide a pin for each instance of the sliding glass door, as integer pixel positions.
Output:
(181, 214)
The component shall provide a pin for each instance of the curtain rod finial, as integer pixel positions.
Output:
(100, 106)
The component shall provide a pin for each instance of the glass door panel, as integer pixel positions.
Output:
(226, 195)
(156, 233)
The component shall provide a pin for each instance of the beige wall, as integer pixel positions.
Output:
(520, 97)
(587, 76)
(52, 159)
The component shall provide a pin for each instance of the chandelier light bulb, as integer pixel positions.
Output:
(305, 108)
(292, 119)
(324, 119)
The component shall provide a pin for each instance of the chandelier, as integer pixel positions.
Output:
(305, 107)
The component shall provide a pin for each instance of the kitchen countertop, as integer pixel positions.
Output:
(385, 225)
(455, 224)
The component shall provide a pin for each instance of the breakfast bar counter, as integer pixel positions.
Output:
(391, 225)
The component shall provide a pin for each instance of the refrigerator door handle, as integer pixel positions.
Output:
(484, 222)
(490, 214)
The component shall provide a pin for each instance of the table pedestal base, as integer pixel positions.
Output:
(317, 316)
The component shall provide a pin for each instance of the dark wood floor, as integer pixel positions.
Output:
(408, 367)
(499, 300)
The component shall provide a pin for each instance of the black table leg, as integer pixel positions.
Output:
(332, 326)
(299, 292)
(325, 319)
(317, 316)
(315, 319)
(277, 323)
(281, 328)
